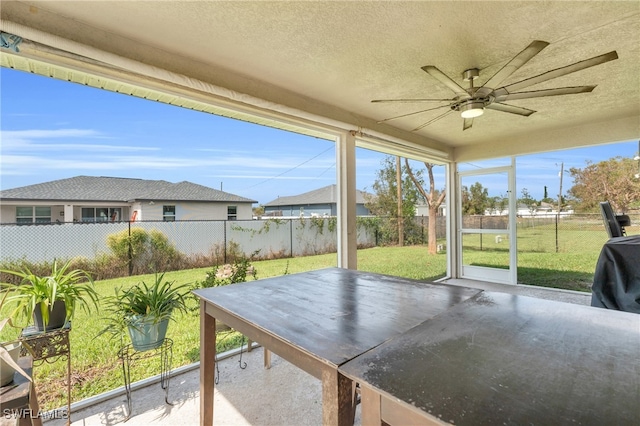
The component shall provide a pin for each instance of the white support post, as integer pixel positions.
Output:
(453, 227)
(513, 224)
(346, 187)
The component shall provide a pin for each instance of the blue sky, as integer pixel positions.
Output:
(53, 129)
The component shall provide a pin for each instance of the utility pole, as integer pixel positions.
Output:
(560, 193)
(400, 218)
(559, 207)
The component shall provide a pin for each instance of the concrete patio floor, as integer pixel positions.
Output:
(282, 396)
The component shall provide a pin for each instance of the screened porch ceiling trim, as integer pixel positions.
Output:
(122, 75)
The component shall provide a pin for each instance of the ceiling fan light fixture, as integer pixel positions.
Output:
(471, 109)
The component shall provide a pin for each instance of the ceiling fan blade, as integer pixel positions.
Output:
(542, 93)
(468, 122)
(412, 113)
(411, 100)
(513, 65)
(558, 72)
(444, 79)
(510, 109)
(432, 120)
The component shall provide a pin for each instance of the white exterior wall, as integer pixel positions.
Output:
(7, 214)
(8, 211)
(146, 210)
(193, 210)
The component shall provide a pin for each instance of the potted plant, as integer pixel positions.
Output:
(145, 310)
(50, 300)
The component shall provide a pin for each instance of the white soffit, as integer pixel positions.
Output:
(329, 59)
(186, 92)
(99, 78)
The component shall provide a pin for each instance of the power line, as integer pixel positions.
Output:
(291, 169)
(326, 170)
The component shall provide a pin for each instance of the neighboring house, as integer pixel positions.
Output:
(320, 202)
(544, 210)
(423, 210)
(112, 199)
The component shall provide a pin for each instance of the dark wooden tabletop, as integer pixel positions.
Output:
(504, 359)
(335, 313)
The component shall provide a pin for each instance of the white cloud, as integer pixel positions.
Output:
(267, 177)
(49, 134)
(38, 140)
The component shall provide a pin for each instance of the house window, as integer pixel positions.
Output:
(101, 214)
(33, 214)
(232, 213)
(169, 213)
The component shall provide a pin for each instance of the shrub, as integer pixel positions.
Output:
(229, 273)
(145, 251)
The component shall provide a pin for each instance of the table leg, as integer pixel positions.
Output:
(267, 358)
(370, 406)
(207, 364)
(337, 398)
(68, 386)
(34, 406)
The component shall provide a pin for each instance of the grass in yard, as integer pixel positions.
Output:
(95, 366)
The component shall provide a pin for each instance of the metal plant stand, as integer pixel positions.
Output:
(49, 347)
(128, 355)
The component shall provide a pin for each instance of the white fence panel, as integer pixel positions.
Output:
(272, 237)
(40, 243)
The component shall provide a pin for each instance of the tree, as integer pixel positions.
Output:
(497, 205)
(611, 180)
(384, 201)
(528, 201)
(546, 198)
(434, 199)
(475, 200)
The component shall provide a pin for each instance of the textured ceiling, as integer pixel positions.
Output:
(332, 58)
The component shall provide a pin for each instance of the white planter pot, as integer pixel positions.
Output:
(7, 371)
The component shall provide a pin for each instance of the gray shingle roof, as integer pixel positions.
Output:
(325, 195)
(91, 188)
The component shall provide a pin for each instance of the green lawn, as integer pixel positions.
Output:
(94, 360)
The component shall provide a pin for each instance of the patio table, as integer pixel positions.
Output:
(502, 359)
(318, 321)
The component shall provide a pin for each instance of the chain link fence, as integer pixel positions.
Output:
(571, 233)
(159, 246)
(540, 234)
(208, 243)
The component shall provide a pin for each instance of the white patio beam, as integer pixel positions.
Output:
(346, 187)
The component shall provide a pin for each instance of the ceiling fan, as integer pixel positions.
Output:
(472, 102)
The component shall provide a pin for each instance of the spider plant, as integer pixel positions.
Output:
(150, 303)
(36, 295)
